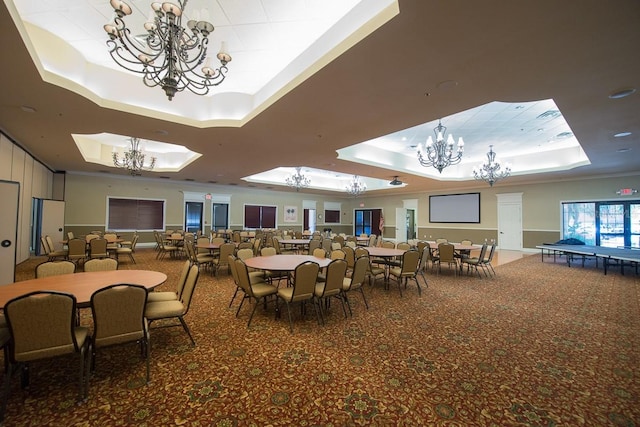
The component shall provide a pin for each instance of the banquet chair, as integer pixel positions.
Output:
(222, 260)
(50, 251)
(408, 270)
(314, 244)
(42, 325)
(102, 264)
(128, 249)
(486, 262)
(331, 286)
(475, 262)
(302, 289)
(466, 253)
(54, 268)
(258, 291)
(270, 275)
(319, 253)
(176, 295)
(175, 309)
(373, 271)
(372, 240)
(441, 240)
(111, 241)
(355, 282)
(349, 256)
(77, 250)
(446, 254)
(326, 244)
(164, 248)
(98, 248)
(254, 275)
(199, 256)
(118, 318)
(91, 236)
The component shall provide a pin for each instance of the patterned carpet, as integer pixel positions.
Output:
(541, 344)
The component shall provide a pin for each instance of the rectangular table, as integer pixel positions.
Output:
(620, 256)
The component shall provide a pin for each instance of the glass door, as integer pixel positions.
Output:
(193, 216)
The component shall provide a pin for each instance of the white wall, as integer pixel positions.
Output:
(35, 180)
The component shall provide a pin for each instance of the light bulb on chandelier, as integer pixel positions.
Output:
(133, 159)
(492, 170)
(355, 186)
(298, 180)
(440, 153)
(171, 55)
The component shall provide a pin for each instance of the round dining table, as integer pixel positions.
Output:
(82, 285)
(283, 262)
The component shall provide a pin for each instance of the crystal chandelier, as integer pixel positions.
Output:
(298, 180)
(491, 170)
(133, 159)
(440, 154)
(167, 55)
(356, 187)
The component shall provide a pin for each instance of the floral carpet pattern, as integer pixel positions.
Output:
(540, 344)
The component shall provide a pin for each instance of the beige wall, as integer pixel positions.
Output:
(86, 202)
(540, 208)
(35, 181)
(86, 197)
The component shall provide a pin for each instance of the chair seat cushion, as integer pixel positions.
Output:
(162, 296)
(395, 271)
(263, 289)
(162, 309)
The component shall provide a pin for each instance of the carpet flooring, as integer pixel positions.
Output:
(539, 344)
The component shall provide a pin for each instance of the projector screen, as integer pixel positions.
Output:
(455, 208)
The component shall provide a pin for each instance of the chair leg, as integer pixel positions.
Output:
(252, 311)
(365, 299)
(186, 328)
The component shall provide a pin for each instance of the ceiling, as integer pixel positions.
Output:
(431, 60)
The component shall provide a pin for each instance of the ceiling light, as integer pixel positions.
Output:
(491, 170)
(170, 55)
(298, 180)
(623, 93)
(622, 134)
(356, 187)
(395, 181)
(440, 154)
(133, 159)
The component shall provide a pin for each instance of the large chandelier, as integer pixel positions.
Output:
(167, 55)
(491, 170)
(440, 154)
(356, 187)
(133, 159)
(298, 180)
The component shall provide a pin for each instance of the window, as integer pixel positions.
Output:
(332, 217)
(259, 216)
(605, 223)
(135, 214)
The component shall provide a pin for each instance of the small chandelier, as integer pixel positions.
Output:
(440, 154)
(133, 159)
(490, 171)
(298, 180)
(170, 54)
(356, 187)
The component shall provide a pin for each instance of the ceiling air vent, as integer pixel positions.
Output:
(564, 135)
(549, 114)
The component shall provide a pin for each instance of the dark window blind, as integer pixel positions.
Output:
(134, 214)
(332, 216)
(259, 216)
